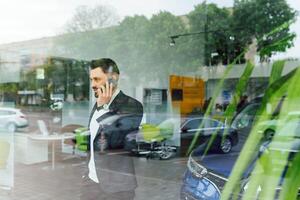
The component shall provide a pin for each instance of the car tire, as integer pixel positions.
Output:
(225, 145)
(166, 153)
(11, 127)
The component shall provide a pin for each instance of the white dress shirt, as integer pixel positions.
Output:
(94, 126)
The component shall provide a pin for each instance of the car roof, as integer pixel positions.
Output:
(192, 118)
(188, 119)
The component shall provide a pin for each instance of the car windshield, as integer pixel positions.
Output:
(246, 116)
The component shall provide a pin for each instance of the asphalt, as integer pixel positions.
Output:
(156, 179)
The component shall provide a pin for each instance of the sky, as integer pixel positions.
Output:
(31, 19)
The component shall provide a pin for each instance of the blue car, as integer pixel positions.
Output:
(206, 177)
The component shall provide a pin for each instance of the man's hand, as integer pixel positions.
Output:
(104, 94)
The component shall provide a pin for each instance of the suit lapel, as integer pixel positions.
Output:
(118, 102)
(114, 108)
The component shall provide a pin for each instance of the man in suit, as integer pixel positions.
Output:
(110, 176)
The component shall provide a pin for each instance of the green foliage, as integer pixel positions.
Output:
(255, 18)
(141, 45)
(130, 44)
(165, 59)
(215, 22)
(272, 95)
(9, 88)
(276, 71)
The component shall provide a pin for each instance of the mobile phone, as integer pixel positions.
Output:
(111, 80)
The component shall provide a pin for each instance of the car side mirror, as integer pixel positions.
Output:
(119, 124)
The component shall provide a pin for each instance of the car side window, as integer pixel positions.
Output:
(192, 124)
(213, 123)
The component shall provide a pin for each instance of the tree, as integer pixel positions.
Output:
(87, 19)
(165, 59)
(213, 45)
(130, 45)
(88, 34)
(142, 45)
(256, 18)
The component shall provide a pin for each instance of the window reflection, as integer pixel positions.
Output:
(192, 93)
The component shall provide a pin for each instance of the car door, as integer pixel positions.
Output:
(188, 131)
(190, 127)
(210, 127)
(121, 126)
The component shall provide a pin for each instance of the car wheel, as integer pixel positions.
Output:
(226, 145)
(166, 153)
(11, 127)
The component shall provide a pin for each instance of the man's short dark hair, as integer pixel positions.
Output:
(105, 64)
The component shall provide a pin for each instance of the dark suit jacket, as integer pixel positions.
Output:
(116, 172)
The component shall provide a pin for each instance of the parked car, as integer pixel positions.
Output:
(222, 143)
(115, 128)
(153, 141)
(205, 177)
(11, 119)
(188, 129)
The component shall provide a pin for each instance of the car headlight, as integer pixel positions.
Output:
(195, 168)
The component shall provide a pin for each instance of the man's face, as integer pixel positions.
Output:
(98, 78)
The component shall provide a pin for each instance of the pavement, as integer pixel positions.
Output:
(156, 179)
